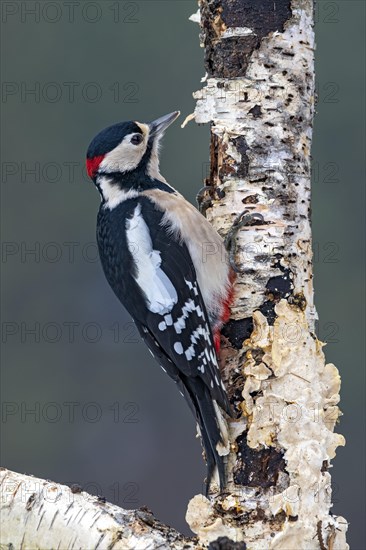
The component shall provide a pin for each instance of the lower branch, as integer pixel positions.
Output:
(36, 513)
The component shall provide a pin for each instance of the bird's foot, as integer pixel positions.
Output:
(244, 219)
(211, 191)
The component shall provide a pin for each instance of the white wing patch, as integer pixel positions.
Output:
(189, 307)
(160, 293)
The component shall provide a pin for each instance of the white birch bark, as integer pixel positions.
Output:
(40, 514)
(259, 99)
(260, 104)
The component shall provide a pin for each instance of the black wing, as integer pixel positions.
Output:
(184, 332)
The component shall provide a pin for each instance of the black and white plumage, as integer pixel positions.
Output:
(168, 267)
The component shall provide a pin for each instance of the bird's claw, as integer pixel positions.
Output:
(244, 219)
(211, 190)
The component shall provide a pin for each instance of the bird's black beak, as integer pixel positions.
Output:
(158, 126)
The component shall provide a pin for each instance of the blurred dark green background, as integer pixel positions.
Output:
(83, 401)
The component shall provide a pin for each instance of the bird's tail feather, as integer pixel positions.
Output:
(213, 430)
(211, 421)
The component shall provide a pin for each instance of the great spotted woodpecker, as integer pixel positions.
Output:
(168, 267)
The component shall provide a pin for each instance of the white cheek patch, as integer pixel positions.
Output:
(125, 157)
(160, 293)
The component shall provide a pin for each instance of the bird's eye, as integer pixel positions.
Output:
(137, 139)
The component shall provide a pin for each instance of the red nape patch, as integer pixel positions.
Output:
(92, 165)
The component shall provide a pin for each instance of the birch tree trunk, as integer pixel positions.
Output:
(259, 99)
